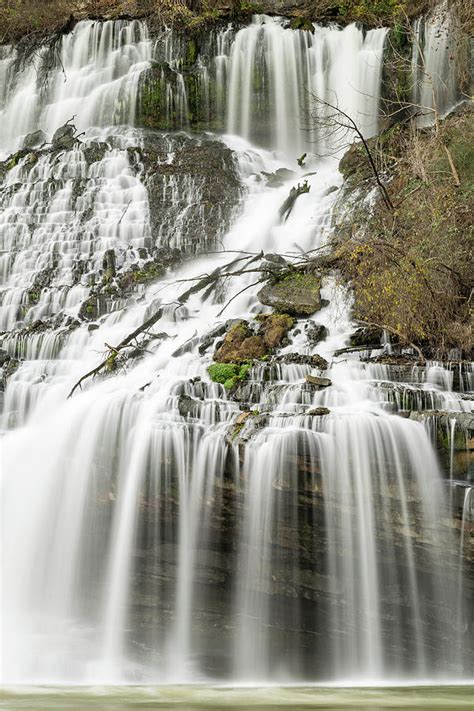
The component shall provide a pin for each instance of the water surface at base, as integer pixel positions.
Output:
(192, 698)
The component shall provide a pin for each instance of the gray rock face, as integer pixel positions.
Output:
(318, 381)
(366, 336)
(297, 294)
(199, 185)
(4, 357)
(64, 137)
(315, 333)
(35, 139)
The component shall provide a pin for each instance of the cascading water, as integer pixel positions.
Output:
(148, 534)
(435, 66)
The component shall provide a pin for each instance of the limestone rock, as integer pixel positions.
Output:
(315, 332)
(318, 381)
(318, 411)
(35, 139)
(366, 336)
(297, 294)
(64, 137)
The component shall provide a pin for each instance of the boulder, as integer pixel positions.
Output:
(243, 342)
(367, 336)
(274, 328)
(240, 344)
(297, 294)
(4, 357)
(64, 137)
(314, 361)
(279, 177)
(315, 333)
(318, 412)
(318, 381)
(35, 139)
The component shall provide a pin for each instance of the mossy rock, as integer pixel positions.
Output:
(274, 328)
(297, 294)
(242, 343)
(228, 374)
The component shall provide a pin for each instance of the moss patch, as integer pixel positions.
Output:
(228, 374)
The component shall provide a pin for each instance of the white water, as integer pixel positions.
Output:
(138, 543)
(435, 64)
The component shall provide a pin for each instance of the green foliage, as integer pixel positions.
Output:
(228, 374)
(301, 23)
(372, 11)
(411, 267)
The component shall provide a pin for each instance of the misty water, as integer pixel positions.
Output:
(139, 544)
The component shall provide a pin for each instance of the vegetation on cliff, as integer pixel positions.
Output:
(20, 18)
(411, 266)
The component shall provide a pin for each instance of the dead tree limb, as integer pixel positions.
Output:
(333, 122)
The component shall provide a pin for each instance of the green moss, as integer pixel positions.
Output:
(301, 23)
(111, 365)
(228, 374)
(191, 53)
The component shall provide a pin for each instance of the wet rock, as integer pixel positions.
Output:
(188, 406)
(64, 137)
(108, 265)
(315, 333)
(12, 161)
(370, 336)
(243, 342)
(198, 184)
(274, 328)
(137, 275)
(209, 338)
(9, 367)
(314, 361)
(318, 381)
(464, 420)
(297, 294)
(36, 139)
(279, 177)
(4, 357)
(318, 412)
(95, 151)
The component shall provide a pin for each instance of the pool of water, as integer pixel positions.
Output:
(199, 698)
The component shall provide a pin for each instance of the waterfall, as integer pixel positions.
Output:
(275, 73)
(435, 64)
(100, 62)
(149, 533)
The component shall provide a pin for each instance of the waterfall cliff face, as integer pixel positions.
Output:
(149, 533)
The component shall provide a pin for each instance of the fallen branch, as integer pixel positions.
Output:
(455, 173)
(123, 344)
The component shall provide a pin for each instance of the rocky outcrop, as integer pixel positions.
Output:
(190, 179)
(245, 342)
(297, 294)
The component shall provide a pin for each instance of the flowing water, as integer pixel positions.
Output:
(142, 540)
(239, 699)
